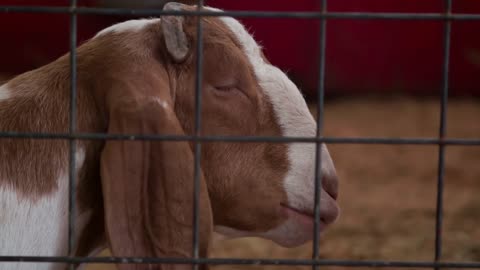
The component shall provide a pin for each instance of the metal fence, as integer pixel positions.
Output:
(322, 15)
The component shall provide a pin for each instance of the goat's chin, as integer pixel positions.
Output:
(295, 231)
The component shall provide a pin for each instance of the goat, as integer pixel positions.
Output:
(137, 77)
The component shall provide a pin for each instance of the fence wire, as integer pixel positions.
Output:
(72, 128)
(322, 15)
(442, 133)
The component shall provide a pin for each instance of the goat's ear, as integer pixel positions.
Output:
(148, 185)
(176, 40)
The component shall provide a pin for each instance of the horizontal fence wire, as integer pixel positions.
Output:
(236, 261)
(246, 14)
(74, 135)
(241, 139)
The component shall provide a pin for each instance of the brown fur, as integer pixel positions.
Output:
(118, 75)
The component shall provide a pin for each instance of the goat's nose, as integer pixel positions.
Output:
(330, 211)
(330, 185)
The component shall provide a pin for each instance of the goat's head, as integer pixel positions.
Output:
(250, 189)
(259, 189)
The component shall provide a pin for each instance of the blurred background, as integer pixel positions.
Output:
(383, 79)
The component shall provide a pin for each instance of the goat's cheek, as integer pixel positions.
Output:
(260, 214)
(252, 210)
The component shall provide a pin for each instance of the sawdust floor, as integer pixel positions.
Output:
(388, 193)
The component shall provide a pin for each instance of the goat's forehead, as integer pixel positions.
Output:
(250, 46)
(288, 103)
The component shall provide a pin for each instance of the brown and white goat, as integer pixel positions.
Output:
(135, 197)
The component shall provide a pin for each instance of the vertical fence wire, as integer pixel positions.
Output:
(198, 124)
(443, 131)
(72, 130)
(318, 150)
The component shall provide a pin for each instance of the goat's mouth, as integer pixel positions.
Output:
(307, 218)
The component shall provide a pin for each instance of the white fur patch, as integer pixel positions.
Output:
(131, 25)
(36, 228)
(294, 118)
(4, 92)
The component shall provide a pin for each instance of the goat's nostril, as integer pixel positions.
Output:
(330, 185)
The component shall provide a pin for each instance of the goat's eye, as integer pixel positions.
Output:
(229, 91)
(226, 88)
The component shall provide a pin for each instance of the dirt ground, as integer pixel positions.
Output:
(388, 193)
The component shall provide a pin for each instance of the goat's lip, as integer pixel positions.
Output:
(307, 218)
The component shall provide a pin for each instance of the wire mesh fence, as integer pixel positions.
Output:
(323, 16)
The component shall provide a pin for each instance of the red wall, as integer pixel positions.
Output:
(379, 56)
(371, 55)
